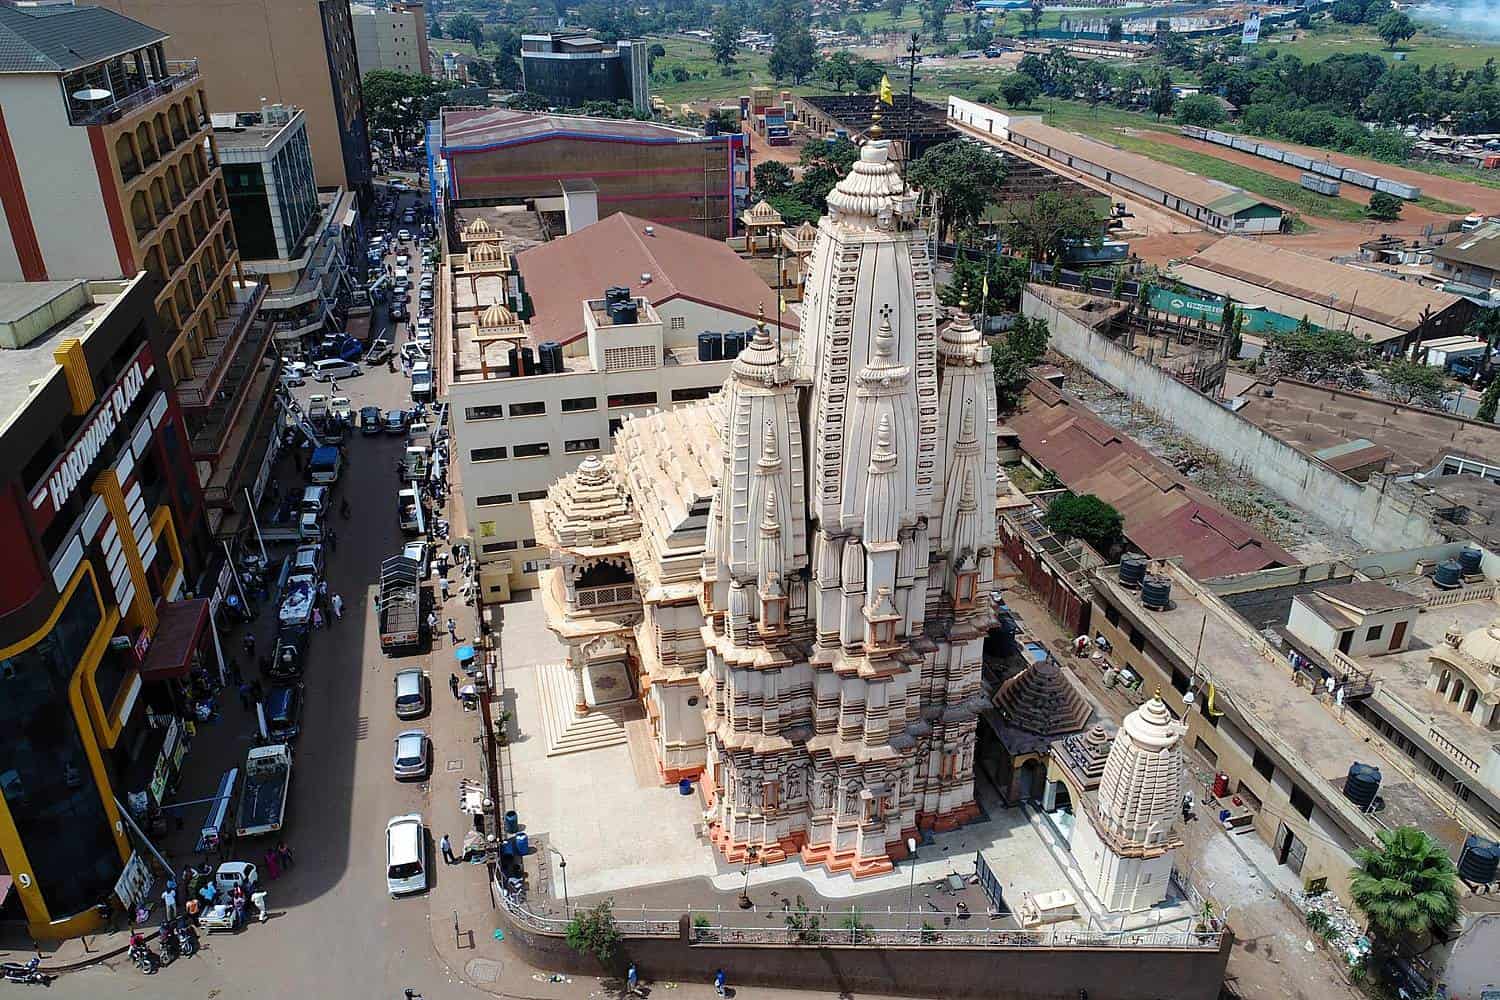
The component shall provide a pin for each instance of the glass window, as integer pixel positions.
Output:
(45, 773)
(530, 409)
(632, 399)
(486, 454)
(525, 495)
(493, 500)
(578, 403)
(533, 450)
(696, 392)
(484, 412)
(581, 444)
(1262, 764)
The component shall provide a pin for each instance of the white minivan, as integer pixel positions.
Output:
(331, 368)
(405, 855)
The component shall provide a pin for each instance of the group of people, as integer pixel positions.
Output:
(633, 981)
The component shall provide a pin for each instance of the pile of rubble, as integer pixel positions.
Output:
(1340, 931)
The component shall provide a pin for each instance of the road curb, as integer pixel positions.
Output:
(93, 959)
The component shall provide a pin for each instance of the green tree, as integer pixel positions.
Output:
(1383, 207)
(1007, 277)
(1413, 382)
(1014, 353)
(1039, 229)
(1395, 28)
(1199, 109)
(1019, 90)
(466, 27)
(1489, 402)
(1086, 518)
(436, 31)
(838, 70)
(1406, 888)
(794, 211)
(962, 177)
(1116, 30)
(481, 72)
(794, 56)
(895, 8)
(1163, 97)
(771, 178)
(726, 38)
(867, 75)
(402, 102)
(935, 18)
(594, 932)
(1313, 354)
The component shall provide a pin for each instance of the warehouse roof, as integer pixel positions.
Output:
(1368, 294)
(472, 129)
(1480, 248)
(64, 38)
(1181, 183)
(1165, 514)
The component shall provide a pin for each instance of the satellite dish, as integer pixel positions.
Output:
(92, 94)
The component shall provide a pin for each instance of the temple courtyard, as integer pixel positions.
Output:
(588, 791)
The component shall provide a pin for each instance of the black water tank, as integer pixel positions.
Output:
(711, 126)
(705, 346)
(550, 357)
(623, 313)
(616, 293)
(734, 343)
(528, 361)
(1449, 575)
(1479, 861)
(1132, 570)
(1361, 785)
(1156, 593)
(513, 359)
(1469, 560)
(715, 345)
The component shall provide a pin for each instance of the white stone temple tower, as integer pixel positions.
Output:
(1125, 848)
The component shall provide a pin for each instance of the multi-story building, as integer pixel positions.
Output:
(1469, 262)
(570, 70)
(112, 169)
(295, 238)
(289, 52)
(690, 180)
(392, 36)
(517, 429)
(102, 523)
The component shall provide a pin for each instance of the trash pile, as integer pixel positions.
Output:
(1337, 926)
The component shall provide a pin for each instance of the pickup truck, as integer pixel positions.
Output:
(268, 778)
(410, 514)
(298, 598)
(400, 604)
(325, 465)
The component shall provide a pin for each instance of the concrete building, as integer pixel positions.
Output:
(291, 52)
(570, 70)
(109, 168)
(300, 241)
(1210, 203)
(1469, 263)
(780, 610)
(103, 528)
(1389, 313)
(391, 37)
(516, 432)
(569, 165)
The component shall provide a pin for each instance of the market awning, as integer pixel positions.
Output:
(179, 629)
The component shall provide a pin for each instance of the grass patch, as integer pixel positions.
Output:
(1432, 204)
(1456, 171)
(705, 82)
(1423, 48)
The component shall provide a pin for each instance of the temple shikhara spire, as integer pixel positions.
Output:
(804, 603)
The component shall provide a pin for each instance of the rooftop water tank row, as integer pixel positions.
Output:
(1469, 560)
(1449, 575)
(1480, 860)
(1156, 593)
(1132, 570)
(549, 357)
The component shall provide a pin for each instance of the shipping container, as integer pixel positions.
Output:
(1222, 138)
(1408, 191)
(1195, 131)
(1243, 144)
(1272, 153)
(1297, 160)
(1327, 169)
(1320, 184)
(1359, 178)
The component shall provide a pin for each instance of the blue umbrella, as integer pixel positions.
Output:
(463, 653)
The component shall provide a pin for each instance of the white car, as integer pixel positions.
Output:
(340, 407)
(417, 551)
(405, 855)
(403, 259)
(294, 373)
(404, 235)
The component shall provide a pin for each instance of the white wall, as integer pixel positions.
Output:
(61, 183)
(1311, 629)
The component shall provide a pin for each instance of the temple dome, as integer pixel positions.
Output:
(872, 189)
(484, 253)
(1483, 645)
(1138, 793)
(1041, 701)
(477, 228)
(590, 508)
(497, 315)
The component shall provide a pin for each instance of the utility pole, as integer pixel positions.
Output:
(913, 47)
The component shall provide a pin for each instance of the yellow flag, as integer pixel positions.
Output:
(781, 302)
(984, 291)
(886, 94)
(1211, 710)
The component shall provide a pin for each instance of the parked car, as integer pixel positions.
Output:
(379, 352)
(283, 706)
(340, 407)
(332, 368)
(398, 312)
(294, 373)
(418, 552)
(396, 421)
(405, 855)
(236, 873)
(308, 560)
(413, 694)
(412, 758)
(371, 420)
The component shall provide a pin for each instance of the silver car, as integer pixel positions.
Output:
(413, 755)
(411, 694)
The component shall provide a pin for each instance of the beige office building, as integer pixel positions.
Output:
(293, 52)
(391, 36)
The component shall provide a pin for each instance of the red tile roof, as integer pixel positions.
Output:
(1165, 514)
(561, 274)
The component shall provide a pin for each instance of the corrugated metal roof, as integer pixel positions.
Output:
(1165, 515)
(469, 129)
(64, 38)
(1480, 248)
(1388, 301)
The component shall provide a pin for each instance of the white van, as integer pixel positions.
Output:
(314, 499)
(331, 368)
(310, 527)
(405, 855)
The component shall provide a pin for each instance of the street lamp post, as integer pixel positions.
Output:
(911, 888)
(562, 866)
(750, 855)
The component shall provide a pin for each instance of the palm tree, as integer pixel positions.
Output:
(1406, 887)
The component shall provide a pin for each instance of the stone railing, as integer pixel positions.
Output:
(1464, 595)
(665, 925)
(604, 597)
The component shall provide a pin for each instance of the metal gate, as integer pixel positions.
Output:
(993, 890)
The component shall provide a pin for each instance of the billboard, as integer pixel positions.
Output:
(1251, 34)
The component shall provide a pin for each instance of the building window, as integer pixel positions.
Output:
(498, 547)
(1137, 639)
(632, 399)
(527, 409)
(526, 495)
(487, 454)
(1112, 614)
(1206, 751)
(539, 450)
(1374, 633)
(580, 403)
(696, 392)
(528, 543)
(534, 565)
(1302, 802)
(679, 323)
(1262, 764)
(581, 444)
(1179, 681)
(494, 500)
(484, 412)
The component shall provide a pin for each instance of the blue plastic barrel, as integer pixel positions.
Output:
(512, 821)
(685, 786)
(523, 845)
(507, 849)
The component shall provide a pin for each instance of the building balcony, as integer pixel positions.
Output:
(597, 598)
(130, 92)
(231, 357)
(239, 452)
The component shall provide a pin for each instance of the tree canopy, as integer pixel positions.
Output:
(402, 102)
(1041, 227)
(794, 56)
(1314, 354)
(1406, 888)
(1086, 518)
(726, 37)
(1014, 353)
(1384, 207)
(1414, 382)
(1019, 90)
(772, 177)
(961, 176)
(593, 931)
(1200, 109)
(1395, 28)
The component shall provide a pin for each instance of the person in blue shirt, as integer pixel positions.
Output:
(719, 980)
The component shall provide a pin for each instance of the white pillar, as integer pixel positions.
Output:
(580, 699)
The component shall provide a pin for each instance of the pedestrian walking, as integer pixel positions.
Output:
(443, 586)
(317, 618)
(632, 979)
(333, 540)
(285, 854)
(453, 685)
(262, 909)
(446, 846)
(246, 701)
(333, 386)
(249, 643)
(431, 622)
(169, 900)
(719, 981)
(452, 630)
(273, 864)
(442, 565)
(1187, 806)
(338, 606)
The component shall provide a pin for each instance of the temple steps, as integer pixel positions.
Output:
(566, 732)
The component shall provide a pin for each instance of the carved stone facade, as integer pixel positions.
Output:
(822, 670)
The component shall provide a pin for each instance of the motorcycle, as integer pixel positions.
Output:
(26, 972)
(187, 939)
(142, 957)
(168, 942)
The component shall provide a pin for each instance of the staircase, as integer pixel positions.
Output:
(568, 732)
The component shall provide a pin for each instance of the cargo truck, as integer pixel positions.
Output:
(268, 778)
(400, 604)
